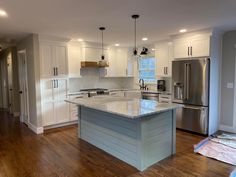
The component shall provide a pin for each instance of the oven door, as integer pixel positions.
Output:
(192, 118)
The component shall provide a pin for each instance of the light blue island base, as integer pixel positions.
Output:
(140, 142)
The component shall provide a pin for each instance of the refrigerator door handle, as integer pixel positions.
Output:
(185, 81)
(188, 80)
(193, 107)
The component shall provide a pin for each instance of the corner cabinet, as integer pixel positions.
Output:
(194, 46)
(164, 57)
(53, 57)
(54, 109)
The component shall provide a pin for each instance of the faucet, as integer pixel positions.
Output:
(142, 85)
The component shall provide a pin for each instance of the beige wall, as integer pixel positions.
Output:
(31, 45)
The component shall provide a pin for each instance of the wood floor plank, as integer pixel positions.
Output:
(59, 153)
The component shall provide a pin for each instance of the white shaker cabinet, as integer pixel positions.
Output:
(53, 57)
(54, 109)
(119, 64)
(74, 60)
(164, 57)
(194, 46)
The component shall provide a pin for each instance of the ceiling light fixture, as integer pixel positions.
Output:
(135, 50)
(153, 49)
(80, 40)
(3, 13)
(117, 45)
(182, 30)
(144, 38)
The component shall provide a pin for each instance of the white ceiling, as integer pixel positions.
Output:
(81, 18)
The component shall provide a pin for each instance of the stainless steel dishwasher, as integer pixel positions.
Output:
(150, 96)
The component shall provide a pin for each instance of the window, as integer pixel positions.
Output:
(147, 67)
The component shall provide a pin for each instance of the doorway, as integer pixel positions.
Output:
(23, 85)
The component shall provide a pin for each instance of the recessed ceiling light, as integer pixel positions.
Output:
(153, 49)
(80, 40)
(117, 45)
(182, 30)
(3, 13)
(144, 38)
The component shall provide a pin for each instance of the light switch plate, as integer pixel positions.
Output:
(230, 85)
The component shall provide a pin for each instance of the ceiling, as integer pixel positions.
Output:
(81, 18)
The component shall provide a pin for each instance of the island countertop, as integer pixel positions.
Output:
(125, 107)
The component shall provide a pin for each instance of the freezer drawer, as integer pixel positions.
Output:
(192, 118)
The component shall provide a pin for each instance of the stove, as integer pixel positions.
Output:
(95, 91)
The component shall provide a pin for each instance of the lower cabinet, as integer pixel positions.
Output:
(54, 109)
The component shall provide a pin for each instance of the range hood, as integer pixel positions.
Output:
(94, 64)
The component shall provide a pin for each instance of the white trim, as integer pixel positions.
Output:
(61, 125)
(227, 128)
(37, 130)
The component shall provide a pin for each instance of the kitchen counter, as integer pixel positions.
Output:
(138, 132)
(130, 108)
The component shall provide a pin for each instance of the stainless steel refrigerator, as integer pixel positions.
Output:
(191, 89)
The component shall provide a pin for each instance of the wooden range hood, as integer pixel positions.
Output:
(94, 64)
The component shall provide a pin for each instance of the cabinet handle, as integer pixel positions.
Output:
(191, 51)
(57, 83)
(54, 72)
(188, 51)
(126, 72)
(57, 71)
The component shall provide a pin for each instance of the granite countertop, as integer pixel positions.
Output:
(126, 107)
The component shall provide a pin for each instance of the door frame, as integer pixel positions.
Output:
(20, 52)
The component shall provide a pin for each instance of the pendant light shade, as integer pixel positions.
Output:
(102, 56)
(135, 50)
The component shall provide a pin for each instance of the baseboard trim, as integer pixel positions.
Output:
(227, 128)
(61, 125)
(16, 114)
(37, 130)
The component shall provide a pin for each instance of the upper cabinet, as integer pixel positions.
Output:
(119, 63)
(193, 46)
(53, 57)
(74, 60)
(164, 57)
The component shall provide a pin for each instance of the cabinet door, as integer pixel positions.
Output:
(181, 49)
(200, 47)
(130, 67)
(93, 54)
(48, 117)
(111, 71)
(46, 59)
(162, 59)
(61, 107)
(74, 60)
(60, 58)
(122, 61)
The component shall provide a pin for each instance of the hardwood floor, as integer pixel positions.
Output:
(59, 153)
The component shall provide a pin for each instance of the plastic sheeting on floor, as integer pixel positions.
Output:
(221, 147)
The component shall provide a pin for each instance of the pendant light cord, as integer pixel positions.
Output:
(135, 35)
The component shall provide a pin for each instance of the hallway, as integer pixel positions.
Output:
(59, 153)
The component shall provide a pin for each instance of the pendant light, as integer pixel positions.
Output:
(103, 56)
(135, 17)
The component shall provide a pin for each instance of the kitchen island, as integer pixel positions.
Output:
(139, 132)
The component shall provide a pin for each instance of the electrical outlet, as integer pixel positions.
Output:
(230, 85)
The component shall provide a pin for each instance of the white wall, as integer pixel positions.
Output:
(31, 45)
(228, 76)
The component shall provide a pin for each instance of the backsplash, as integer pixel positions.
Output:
(91, 79)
